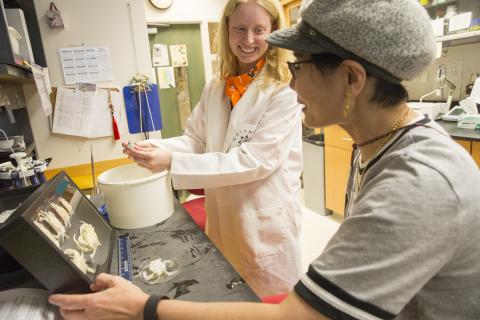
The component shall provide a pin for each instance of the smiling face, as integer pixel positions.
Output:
(248, 27)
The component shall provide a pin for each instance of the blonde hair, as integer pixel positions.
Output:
(275, 58)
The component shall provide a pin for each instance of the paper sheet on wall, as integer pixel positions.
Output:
(42, 85)
(160, 55)
(166, 77)
(28, 304)
(74, 112)
(48, 84)
(179, 55)
(153, 76)
(86, 114)
(86, 64)
(102, 122)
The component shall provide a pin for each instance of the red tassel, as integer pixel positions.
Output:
(116, 133)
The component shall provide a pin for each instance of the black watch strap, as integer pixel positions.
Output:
(150, 309)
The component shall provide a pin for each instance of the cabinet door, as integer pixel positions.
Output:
(466, 144)
(337, 137)
(476, 152)
(337, 167)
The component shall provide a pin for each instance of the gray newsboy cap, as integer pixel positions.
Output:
(392, 39)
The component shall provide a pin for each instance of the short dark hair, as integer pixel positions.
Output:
(385, 93)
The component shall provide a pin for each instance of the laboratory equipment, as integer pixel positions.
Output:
(468, 106)
(22, 170)
(27, 172)
(431, 109)
(124, 257)
(454, 114)
(468, 121)
(48, 255)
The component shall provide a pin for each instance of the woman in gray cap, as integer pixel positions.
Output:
(410, 246)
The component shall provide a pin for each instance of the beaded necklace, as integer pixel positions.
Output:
(372, 140)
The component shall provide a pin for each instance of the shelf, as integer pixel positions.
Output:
(439, 5)
(12, 74)
(460, 38)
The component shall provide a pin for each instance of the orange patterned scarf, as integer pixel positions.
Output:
(236, 86)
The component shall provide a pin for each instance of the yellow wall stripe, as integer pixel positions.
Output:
(82, 174)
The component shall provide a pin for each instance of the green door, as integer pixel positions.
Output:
(189, 35)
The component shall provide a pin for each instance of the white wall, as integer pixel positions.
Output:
(186, 10)
(461, 62)
(91, 23)
(190, 11)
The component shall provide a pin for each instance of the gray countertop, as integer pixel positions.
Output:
(205, 275)
(456, 133)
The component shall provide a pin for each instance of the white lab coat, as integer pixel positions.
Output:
(249, 161)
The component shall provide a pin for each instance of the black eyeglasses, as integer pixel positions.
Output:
(294, 67)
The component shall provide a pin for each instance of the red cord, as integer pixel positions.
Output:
(116, 133)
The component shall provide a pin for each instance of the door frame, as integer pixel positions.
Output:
(287, 6)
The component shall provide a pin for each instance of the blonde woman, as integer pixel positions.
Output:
(243, 146)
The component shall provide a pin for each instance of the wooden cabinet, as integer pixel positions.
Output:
(338, 153)
(476, 152)
(467, 145)
(472, 147)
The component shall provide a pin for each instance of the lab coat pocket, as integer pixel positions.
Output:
(244, 134)
(262, 233)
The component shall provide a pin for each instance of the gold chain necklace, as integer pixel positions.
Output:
(396, 127)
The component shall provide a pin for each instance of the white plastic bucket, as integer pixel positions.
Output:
(136, 197)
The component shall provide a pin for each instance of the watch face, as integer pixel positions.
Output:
(161, 4)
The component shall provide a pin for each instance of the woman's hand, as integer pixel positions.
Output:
(128, 146)
(114, 298)
(146, 155)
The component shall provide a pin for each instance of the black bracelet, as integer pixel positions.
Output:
(150, 309)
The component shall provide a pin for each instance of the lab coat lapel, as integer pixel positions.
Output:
(246, 104)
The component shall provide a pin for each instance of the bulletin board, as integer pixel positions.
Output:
(92, 123)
